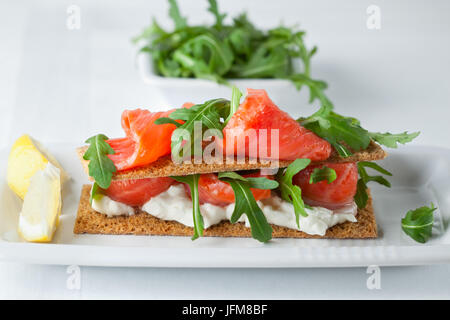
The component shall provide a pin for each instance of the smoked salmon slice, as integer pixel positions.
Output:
(137, 192)
(145, 141)
(258, 112)
(332, 195)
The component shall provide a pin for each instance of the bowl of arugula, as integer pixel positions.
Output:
(201, 61)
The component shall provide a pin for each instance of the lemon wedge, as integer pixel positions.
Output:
(42, 206)
(25, 159)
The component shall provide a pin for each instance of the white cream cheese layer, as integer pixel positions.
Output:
(108, 206)
(173, 204)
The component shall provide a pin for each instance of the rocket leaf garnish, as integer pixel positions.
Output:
(101, 167)
(324, 173)
(390, 140)
(223, 51)
(291, 192)
(236, 95)
(361, 196)
(346, 135)
(418, 223)
(192, 181)
(341, 132)
(208, 115)
(245, 202)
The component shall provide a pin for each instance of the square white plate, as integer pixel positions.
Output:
(421, 176)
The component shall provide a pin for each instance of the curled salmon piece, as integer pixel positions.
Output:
(258, 113)
(145, 141)
(332, 195)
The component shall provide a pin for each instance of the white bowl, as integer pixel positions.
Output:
(177, 91)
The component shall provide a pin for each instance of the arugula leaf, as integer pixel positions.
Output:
(345, 134)
(167, 121)
(361, 195)
(235, 50)
(245, 202)
(316, 88)
(324, 173)
(174, 13)
(208, 114)
(206, 56)
(262, 183)
(418, 223)
(265, 63)
(390, 140)
(236, 95)
(291, 192)
(213, 8)
(341, 132)
(255, 182)
(192, 181)
(231, 175)
(101, 167)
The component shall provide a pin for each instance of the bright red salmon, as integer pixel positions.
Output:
(259, 112)
(145, 141)
(329, 195)
(138, 191)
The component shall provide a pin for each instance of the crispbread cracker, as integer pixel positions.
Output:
(164, 166)
(92, 222)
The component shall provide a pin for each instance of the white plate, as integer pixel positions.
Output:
(177, 91)
(421, 176)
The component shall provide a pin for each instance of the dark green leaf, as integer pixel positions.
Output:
(374, 166)
(381, 180)
(341, 132)
(265, 63)
(237, 50)
(192, 181)
(418, 223)
(246, 204)
(213, 8)
(206, 56)
(167, 121)
(207, 114)
(174, 13)
(231, 175)
(101, 167)
(391, 140)
(316, 87)
(361, 196)
(254, 182)
(324, 173)
(291, 192)
(262, 183)
(236, 95)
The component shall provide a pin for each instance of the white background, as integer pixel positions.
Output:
(60, 85)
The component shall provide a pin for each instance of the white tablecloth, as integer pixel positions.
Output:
(62, 85)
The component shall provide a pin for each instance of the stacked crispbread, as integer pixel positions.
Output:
(142, 223)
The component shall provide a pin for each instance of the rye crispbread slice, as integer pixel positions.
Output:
(91, 222)
(164, 166)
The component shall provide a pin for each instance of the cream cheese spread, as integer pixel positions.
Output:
(108, 206)
(173, 204)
